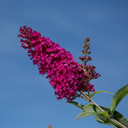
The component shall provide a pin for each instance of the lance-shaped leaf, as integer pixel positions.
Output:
(119, 95)
(90, 109)
(104, 120)
(101, 91)
(109, 121)
(103, 117)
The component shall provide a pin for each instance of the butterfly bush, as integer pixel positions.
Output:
(66, 76)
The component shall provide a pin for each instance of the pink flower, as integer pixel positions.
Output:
(63, 72)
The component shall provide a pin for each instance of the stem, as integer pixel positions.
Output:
(89, 93)
(86, 97)
(97, 105)
(117, 122)
(90, 100)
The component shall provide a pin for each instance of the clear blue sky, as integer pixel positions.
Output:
(26, 98)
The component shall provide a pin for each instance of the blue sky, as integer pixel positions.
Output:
(26, 98)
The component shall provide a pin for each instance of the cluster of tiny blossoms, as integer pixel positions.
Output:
(63, 72)
(88, 69)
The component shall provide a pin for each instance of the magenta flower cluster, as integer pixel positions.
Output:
(62, 70)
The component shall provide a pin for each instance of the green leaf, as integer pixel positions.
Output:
(105, 114)
(120, 118)
(101, 91)
(76, 104)
(116, 115)
(105, 120)
(119, 95)
(89, 110)
(101, 117)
